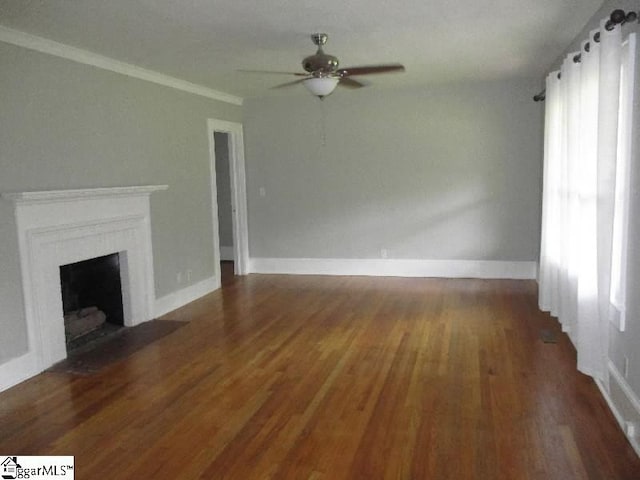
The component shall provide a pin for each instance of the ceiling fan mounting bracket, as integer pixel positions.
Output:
(319, 39)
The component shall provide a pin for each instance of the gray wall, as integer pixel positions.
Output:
(66, 125)
(442, 172)
(223, 184)
(625, 344)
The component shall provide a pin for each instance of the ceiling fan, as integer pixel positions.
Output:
(323, 75)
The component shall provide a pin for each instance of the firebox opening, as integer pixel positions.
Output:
(91, 299)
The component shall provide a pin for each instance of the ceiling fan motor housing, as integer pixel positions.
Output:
(320, 64)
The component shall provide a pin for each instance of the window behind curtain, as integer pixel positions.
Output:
(623, 172)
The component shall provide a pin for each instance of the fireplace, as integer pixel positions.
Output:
(91, 299)
(58, 228)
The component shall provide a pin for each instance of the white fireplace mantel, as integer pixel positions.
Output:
(60, 227)
(48, 196)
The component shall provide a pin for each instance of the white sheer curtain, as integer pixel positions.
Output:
(586, 154)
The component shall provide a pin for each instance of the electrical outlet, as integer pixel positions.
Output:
(263, 192)
(189, 273)
(384, 253)
(179, 278)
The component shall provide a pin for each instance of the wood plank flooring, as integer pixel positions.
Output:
(285, 377)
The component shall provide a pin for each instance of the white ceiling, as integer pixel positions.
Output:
(207, 41)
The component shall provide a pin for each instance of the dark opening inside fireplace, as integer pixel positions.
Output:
(91, 299)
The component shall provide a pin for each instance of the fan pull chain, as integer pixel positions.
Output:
(323, 125)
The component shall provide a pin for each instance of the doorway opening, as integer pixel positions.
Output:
(223, 187)
(229, 199)
(225, 209)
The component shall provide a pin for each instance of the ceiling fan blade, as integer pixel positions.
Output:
(370, 69)
(297, 74)
(351, 83)
(289, 84)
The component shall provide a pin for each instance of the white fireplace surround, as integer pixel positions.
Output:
(66, 226)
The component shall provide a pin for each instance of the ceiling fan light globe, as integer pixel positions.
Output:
(321, 86)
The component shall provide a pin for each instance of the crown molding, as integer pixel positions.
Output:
(43, 45)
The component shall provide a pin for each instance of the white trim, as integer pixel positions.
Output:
(628, 426)
(633, 399)
(238, 194)
(395, 267)
(47, 196)
(18, 370)
(612, 406)
(618, 317)
(177, 299)
(226, 253)
(50, 47)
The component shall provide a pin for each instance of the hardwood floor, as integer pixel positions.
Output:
(290, 377)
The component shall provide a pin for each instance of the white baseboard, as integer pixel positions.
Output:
(625, 387)
(395, 267)
(226, 253)
(177, 299)
(628, 426)
(18, 370)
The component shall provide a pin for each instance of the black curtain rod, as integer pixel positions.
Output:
(617, 17)
(540, 97)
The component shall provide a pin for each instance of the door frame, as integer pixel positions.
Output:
(238, 195)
